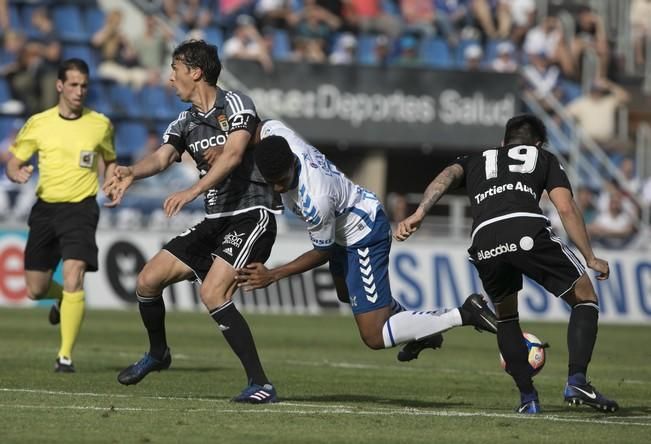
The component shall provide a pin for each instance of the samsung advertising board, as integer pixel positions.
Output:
(388, 107)
(424, 274)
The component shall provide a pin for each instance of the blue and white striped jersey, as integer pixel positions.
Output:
(336, 210)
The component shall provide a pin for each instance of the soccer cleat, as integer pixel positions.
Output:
(587, 394)
(54, 317)
(529, 408)
(412, 349)
(479, 314)
(138, 370)
(63, 365)
(257, 394)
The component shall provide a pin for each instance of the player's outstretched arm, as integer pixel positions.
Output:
(18, 171)
(223, 165)
(447, 179)
(574, 225)
(120, 178)
(256, 275)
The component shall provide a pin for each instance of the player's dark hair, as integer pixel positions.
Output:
(273, 157)
(526, 129)
(199, 54)
(71, 65)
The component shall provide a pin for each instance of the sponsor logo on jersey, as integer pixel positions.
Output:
(208, 142)
(223, 122)
(494, 252)
(233, 238)
(499, 189)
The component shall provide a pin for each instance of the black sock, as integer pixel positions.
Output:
(238, 335)
(515, 353)
(152, 312)
(581, 336)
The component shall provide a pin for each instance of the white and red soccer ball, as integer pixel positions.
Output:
(536, 350)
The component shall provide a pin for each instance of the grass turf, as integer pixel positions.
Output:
(332, 389)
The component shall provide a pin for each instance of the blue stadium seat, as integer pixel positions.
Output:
(125, 101)
(214, 36)
(366, 49)
(282, 47)
(98, 99)
(68, 23)
(27, 27)
(84, 52)
(434, 52)
(14, 17)
(155, 102)
(130, 138)
(94, 20)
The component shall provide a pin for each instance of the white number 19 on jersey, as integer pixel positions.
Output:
(527, 155)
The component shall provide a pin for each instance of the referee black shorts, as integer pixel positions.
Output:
(62, 231)
(239, 240)
(504, 251)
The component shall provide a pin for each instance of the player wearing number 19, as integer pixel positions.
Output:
(511, 237)
(69, 140)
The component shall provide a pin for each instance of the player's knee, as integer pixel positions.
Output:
(212, 296)
(36, 291)
(148, 283)
(373, 340)
(583, 291)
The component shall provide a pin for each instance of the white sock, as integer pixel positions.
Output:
(413, 325)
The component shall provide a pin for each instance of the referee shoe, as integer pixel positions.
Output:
(63, 365)
(54, 317)
(147, 364)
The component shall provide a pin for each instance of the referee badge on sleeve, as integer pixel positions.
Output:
(87, 159)
(223, 122)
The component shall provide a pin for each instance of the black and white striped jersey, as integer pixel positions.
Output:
(193, 131)
(508, 182)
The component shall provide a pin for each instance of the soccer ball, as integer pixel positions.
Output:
(536, 353)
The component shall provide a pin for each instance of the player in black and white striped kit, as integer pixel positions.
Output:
(239, 228)
(511, 237)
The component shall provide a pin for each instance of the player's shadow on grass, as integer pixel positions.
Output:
(394, 402)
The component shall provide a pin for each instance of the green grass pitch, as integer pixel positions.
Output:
(332, 388)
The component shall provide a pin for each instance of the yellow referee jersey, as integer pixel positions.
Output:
(67, 152)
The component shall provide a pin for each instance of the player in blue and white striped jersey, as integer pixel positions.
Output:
(350, 230)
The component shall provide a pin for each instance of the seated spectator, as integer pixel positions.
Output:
(43, 24)
(590, 34)
(585, 200)
(451, 17)
(504, 62)
(345, 52)
(308, 50)
(614, 227)
(596, 111)
(382, 51)
(314, 30)
(494, 17)
(151, 48)
(641, 28)
(21, 75)
(246, 43)
(229, 10)
(48, 72)
(276, 14)
(368, 16)
(409, 55)
(547, 38)
(119, 58)
(418, 16)
(472, 55)
(542, 79)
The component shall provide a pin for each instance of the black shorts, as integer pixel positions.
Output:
(62, 231)
(239, 240)
(504, 251)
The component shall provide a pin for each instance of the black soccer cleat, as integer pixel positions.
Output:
(147, 364)
(478, 314)
(586, 394)
(63, 365)
(54, 317)
(411, 350)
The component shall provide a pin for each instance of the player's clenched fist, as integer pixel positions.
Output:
(408, 226)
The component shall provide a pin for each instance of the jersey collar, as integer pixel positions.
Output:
(217, 106)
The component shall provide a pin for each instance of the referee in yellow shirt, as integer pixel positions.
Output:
(69, 139)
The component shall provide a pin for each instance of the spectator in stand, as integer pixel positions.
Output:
(547, 38)
(43, 24)
(451, 17)
(542, 78)
(590, 35)
(313, 32)
(382, 51)
(596, 111)
(21, 75)
(504, 61)
(4, 16)
(246, 43)
(472, 55)
(632, 184)
(47, 73)
(523, 18)
(409, 55)
(275, 13)
(641, 28)
(151, 48)
(614, 227)
(368, 16)
(308, 50)
(345, 52)
(494, 17)
(585, 200)
(119, 58)
(418, 16)
(229, 10)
